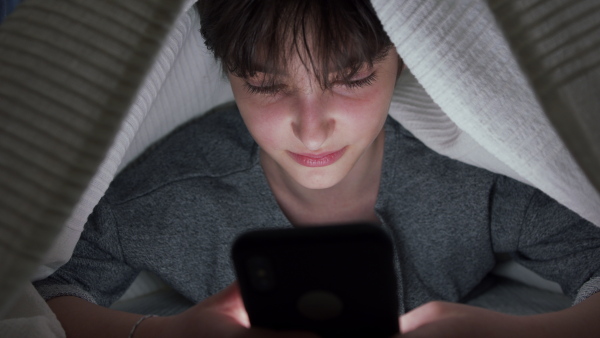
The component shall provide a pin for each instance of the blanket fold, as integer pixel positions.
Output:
(87, 85)
(70, 72)
(463, 60)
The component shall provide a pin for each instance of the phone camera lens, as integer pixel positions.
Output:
(261, 273)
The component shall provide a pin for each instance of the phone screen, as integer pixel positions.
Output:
(335, 280)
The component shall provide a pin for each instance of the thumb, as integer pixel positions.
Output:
(228, 296)
(229, 302)
(423, 315)
(409, 322)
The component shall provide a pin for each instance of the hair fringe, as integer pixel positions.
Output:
(328, 36)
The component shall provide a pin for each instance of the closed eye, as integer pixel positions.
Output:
(276, 88)
(364, 82)
(267, 90)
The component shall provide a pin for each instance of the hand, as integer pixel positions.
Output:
(448, 320)
(222, 315)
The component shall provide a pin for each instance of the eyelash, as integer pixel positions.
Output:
(270, 90)
(262, 90)
(364, 82)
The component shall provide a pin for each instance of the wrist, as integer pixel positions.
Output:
(563, 323)
(152, 326)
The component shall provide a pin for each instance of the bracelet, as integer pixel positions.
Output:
(138, 323)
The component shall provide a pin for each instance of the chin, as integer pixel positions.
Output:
(319, 182)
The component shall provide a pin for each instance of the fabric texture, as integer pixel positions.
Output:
(474, 120)
(30, 317)
(182, 82)
(479, 92)
(70, 71)
(177, 209)
(548, 50)
(7, 7)
(557, 44)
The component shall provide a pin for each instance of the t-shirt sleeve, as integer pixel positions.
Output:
(97, 271)
(546, 237)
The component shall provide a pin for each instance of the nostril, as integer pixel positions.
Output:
(312, 123)
(313, 135)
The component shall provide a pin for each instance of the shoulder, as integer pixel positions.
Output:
(216, 144)
(415, 161)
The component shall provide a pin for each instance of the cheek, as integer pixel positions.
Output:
(363, 120)
(370, 109)
(265, 123)
(374, 99)
(265, 118)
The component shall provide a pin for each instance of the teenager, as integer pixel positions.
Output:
(309, 143)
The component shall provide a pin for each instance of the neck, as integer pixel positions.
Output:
(350, 200)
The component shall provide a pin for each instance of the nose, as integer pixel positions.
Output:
(312, 123)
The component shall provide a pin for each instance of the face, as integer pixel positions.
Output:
(313, 137)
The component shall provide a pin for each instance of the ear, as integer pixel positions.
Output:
(401, 67)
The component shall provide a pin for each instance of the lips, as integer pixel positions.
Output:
(318, 160)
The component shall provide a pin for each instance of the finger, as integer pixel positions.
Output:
(423, 315)
(229, 294)
(426, 331)
(228, 302)
(263, 333)
(412, 320)
(408, 322)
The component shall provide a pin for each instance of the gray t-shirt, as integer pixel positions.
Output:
(176, 210)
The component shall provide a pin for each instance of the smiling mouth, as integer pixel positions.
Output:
(317, 160)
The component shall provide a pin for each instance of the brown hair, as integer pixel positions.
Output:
(248, 36)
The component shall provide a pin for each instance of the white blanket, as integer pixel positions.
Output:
(70, 71)
(483, 109)
(469, 101)
(468, 95)
(183, 82)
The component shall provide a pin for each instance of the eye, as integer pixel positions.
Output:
(265, 90)
(364, 82)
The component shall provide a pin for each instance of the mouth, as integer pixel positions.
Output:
(317, 160)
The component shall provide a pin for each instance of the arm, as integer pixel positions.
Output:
(439, 319)
(221, 315)
(80, 318)
(580, 320)
(549, 239)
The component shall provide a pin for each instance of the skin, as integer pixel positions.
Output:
(449, 320)
(303, 119)
(221, 315)
(306, 119)
(297, 116)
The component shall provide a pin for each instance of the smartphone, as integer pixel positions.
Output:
(334, 280)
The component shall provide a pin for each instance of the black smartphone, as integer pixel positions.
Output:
(335, 280)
